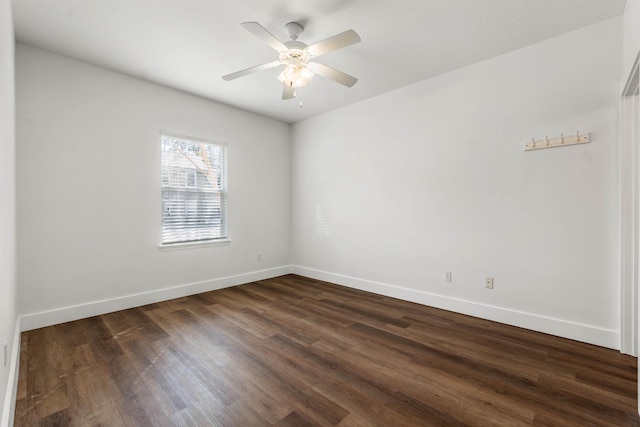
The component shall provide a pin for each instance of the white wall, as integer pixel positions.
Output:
(8, 313)
(88, 185)
(391, 192)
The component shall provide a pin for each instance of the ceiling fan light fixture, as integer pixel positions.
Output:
(306, 73)
(291, 72)
(295, 75)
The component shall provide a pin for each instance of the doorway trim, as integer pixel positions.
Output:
(629, 211)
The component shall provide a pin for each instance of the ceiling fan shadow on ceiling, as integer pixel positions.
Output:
(297, 57)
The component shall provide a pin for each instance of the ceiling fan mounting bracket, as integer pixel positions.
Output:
(294, 30)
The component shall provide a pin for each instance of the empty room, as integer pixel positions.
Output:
(319, 212)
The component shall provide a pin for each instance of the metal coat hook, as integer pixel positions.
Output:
(557, 141)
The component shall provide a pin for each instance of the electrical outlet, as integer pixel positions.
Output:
(447, 276)
(488, 283)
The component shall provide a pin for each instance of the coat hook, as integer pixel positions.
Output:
(547, 138)
(561, 139)
(533, 143)
(578, 135)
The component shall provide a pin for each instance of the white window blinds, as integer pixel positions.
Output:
(194, 190)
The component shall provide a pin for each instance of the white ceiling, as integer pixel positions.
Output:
(190, 44)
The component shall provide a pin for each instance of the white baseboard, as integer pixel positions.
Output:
(9, 404)
(559, 327)
(95, 308)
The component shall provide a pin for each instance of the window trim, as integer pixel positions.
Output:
(193, 245)
(223, 241)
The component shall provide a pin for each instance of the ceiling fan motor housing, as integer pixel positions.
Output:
(296, 53)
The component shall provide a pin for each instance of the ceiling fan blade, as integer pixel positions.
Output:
(333, 74)
(260, 32)
(338, 41)
(288, 92)
(242, 73)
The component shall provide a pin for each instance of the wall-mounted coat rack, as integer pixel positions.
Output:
(561, 141)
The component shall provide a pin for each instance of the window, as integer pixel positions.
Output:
(194, 190)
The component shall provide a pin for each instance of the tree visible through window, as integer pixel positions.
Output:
(194, 190)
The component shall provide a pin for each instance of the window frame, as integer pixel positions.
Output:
(225, 191)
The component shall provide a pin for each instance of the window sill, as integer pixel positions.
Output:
(194, 245)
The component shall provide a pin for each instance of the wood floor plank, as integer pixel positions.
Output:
(294, 351)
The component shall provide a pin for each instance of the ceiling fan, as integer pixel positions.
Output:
(296, 56)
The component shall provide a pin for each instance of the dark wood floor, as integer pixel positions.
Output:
(292, 351)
